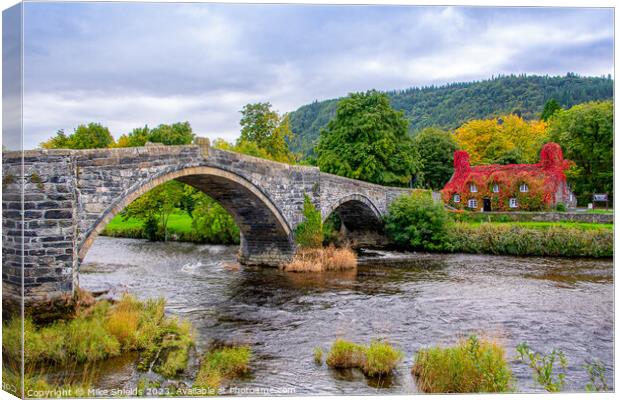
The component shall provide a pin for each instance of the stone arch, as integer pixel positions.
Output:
(357, 212)
(266, 237)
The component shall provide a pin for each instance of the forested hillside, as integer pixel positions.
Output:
(451, 105)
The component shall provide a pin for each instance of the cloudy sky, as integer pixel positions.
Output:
(130, 64)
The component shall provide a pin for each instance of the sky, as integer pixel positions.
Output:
(125, 65)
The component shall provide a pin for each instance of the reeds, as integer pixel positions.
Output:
(322, 259)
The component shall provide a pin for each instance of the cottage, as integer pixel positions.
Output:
(512, 187)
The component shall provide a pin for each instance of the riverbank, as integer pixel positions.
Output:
(468, 234)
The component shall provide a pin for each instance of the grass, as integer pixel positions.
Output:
(545, 225)
(318, 355)
(514, 239)
(220, 364)
(105, 330)
(600, 211)
(377, 359)
(179, 224)
(322, 259)
(471, 366)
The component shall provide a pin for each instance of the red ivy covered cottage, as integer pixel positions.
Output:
(513, 187)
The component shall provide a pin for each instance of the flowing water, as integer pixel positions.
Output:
(412, 301)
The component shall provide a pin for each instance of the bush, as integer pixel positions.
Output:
(560, 207)
(472, 366)
(309, 233)
(509, 239)
(418, 222)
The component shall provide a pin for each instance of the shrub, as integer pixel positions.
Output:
(418, 222)
(560, 207)
(542, 366)
(309, 233)
(472, 366)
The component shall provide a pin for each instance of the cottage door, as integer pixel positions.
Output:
(486, 204)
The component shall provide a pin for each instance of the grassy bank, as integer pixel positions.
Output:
(179, 227)
(530, 239)
(96, 332)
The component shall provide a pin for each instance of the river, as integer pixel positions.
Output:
(426, 300)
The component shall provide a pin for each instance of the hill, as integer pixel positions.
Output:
(450, 105)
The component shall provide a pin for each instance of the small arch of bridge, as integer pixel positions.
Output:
(356, 212)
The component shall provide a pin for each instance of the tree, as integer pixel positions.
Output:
(551, 107)
(267, 130)
(212, 223)
(156, 205)
(505, 139)
(585, 133)
(436, 150)
(368, 140)
(91, 136)
(175, 134)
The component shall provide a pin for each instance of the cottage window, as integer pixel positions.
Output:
(473, 188)
(513, 203)
(457, 198)
(523, 188)
(495, 188)
(472, 203)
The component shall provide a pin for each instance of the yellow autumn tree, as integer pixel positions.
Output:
(507, 139)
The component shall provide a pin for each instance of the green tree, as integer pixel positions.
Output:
(175, 134)
(213, 224)
(156, 205)
(91, 136)
(551, 107)
(267, 130)
(309, 233)
(418, 222)
(585, 133)
(436, 150)
(368, 140)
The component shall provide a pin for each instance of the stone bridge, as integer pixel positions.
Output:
(69, 196)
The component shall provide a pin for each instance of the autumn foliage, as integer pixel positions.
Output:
(502, 140)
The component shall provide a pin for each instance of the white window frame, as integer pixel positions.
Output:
(513, 203)
(472, 203)
(456, 198)
(473, 188)
(495, 188)
(523, 188)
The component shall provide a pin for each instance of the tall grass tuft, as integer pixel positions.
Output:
(322, 259)
(380, 359)
(377, 359)
(472, 366)
(220, 364)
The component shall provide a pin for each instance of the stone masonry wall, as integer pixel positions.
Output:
(70, 195)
